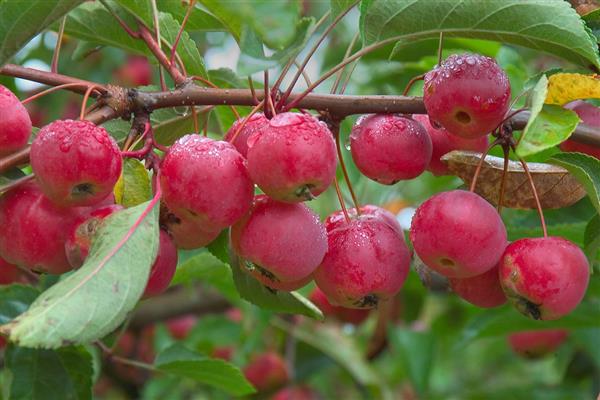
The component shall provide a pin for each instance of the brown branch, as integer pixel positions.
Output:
(160, 55)
(47, 78)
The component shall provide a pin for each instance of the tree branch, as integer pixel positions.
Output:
(122, 103)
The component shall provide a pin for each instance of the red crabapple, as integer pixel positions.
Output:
(544, 278)
(296, 393)
(281, 243)
(444, 142)
(458, 234)
(266, 371)
(15, 124)
(367, 261)
(481, 290)
(187, 234)
(9, 273)
(348, 315)
(79, 240)
(206, 181)
(255, 124)
(34, 229)
(137, 71)
(225, 353)
(293, 158)
(75, 162)
(337, 219)
(590, 115)
(164, 266)
(536, 344)
(390, 147)
(468, 94)
(180, 327)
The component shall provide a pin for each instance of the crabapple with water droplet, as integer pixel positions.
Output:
(15, 123)
(254, 124)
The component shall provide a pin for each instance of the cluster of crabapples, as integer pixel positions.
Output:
(357, 257)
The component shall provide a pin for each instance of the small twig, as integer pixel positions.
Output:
(183, 23)
(535, 193)
(412, 82)
(505, 150)
(195, 119)
(56, 55)
(335, 125)
(348, 76)
(340, 197)
(251, 85)
(270, 109)
(126, 28)
(86, 96)
(338, 78)
(55, 88)
(440, 48)
(304, 74)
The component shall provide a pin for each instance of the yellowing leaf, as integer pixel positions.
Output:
(566, 87)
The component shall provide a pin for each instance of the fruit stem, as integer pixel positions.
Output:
(535, 193)
(440, 48)
(252, 91)
(178, 37)
(338, 77)
(412, 82)
(86, 96)
(335, 125)
(55, 88)
(505, 150)
(480, 164)
(195, 118)
(304, 74)
(341, 200)
(209, 83)
(17, 182)
(56, 54)
(270, 109)
(127, 29)
(245, 120)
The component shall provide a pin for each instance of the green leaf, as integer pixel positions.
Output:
(220, 247)
(190, 56)
(343, 349)
(339, 6)
(585, 169)
(180, 361)
(252, 58)
(20, 21)
(416, 351)
(540, 25)
(199, 20)
(551, 126)
(269, 299)
(87, 20)
(134, 186)
(15, 300)
(38, 374)
(94, 300)
(591, 240)
(207, 268)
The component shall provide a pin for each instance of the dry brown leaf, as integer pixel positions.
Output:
(555, 186)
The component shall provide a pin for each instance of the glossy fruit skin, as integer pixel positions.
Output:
(367, 261)
(9, 273)
(164, 267)
(34, 229)
(389, 147)
(187, 234)
(15, 124)
(75, 162)
(458, 234)
(468, 94)
(284, 243)
(180, 327)
(481, 290)
(342, 314)
(293, 158)
(443, 142)
(267, 371)
(206, 181)
(338, 219)
(79, 240)
(544, 278)
(536, 344)
(255, 124)
(590, 115)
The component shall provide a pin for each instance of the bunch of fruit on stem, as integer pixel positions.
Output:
(357, 257)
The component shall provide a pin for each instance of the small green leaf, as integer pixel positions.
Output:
(134, 186)
(269, 299)
(220, 247)
(38, 374)
(591, 240)
(416, 351)
(585, 169)
(551, 126)
(21, 20)
(182, 362)
(536, 24)
(94, 300)
(15, 300)
(207, 268)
